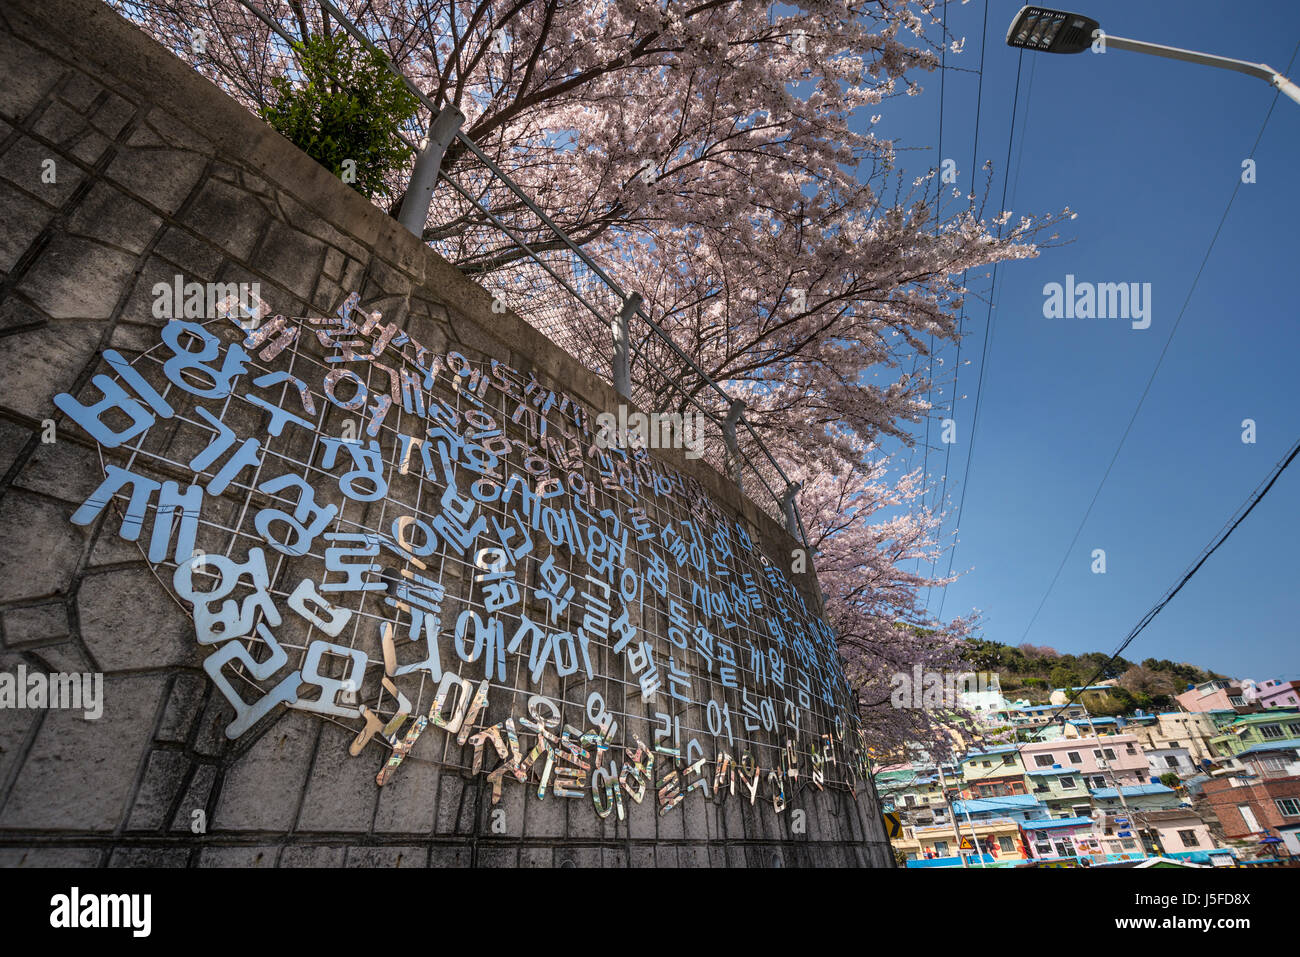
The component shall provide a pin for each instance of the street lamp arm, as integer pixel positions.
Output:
(1261, 70)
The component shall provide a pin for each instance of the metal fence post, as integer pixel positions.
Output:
(619, 329)
(419, 192)
(734, 412)
(787, 503)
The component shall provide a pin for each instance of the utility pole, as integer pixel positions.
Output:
(952, 815)
(975, 837)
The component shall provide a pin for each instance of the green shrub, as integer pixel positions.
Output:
(347, 107)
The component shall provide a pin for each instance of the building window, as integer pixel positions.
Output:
(1006, 845)
(1132, 749)
(1043, 848)
(1270, 730)
(1067, 783)
(1130, 845)
(1288, 807)
(1044, 760)
(1008, 759)
(1110, 754)
(1274, 763)
(1171, 761)
(1188, 838)
(1074, 757)
(1237, 701)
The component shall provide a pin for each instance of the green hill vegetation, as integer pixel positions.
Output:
(1032, 671)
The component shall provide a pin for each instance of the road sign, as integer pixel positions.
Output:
(893, 826)
(966, 845)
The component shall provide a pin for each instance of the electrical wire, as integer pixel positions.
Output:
(984, 354)
(1159, 361)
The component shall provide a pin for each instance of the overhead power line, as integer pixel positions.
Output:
(1159, 360)
(984, 353)
(1230, 526)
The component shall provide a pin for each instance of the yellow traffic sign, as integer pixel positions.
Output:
(893, 825)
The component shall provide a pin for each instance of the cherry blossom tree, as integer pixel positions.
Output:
(718, 157)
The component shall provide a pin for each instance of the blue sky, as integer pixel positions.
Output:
(1147, 151)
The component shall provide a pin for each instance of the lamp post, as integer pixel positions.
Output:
(1059, 31)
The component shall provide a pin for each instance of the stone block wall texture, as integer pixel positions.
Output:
(158, 173)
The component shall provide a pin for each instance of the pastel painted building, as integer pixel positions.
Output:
(1117, 837)
(921, 790)
(1181, 834)
(1216, 695)
(1063, 791)
(1275, 693)
(996, 842)
(1247, 730)
(1277, 759)
(993, 772)
(1058, 839)
(1179, 729)
(1102, 760)
(1164, 760)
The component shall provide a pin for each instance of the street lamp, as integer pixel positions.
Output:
(1058, 31)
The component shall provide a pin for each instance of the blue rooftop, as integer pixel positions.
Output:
(999, 749)
(1048, 823)
(986, 805)
(1290, 744)
(1135, 791)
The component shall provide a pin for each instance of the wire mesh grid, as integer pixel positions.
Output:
(799, 700)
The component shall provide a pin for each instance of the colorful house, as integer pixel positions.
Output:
(1178, 729)
(1278, 694)
(1218, 694)
(1180, 834)
(1102, 760)
(996, 842)
(993, 772)
(1062, 790)
(1165, 760)
(1055, 839)
(1247, 730)
(1278, 759)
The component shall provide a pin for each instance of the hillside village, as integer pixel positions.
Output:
(1212, 778)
